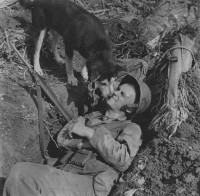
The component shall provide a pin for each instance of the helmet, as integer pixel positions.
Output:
(143, 95)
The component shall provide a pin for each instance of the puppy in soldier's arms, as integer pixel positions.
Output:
(80, 30)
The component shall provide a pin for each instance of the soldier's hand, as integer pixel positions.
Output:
(80, 129)
(65, 131)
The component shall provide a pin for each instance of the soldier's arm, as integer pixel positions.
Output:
(120, 152)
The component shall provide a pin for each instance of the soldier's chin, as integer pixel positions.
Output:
(110, 107)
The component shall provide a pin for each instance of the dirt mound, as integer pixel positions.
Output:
(19, 127)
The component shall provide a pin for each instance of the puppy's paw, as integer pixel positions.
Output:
(39, 71)
(72, 80)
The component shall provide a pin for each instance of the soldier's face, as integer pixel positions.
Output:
(124, 95)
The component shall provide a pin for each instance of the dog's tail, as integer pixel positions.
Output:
(27, 3)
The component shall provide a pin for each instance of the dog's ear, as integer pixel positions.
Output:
(112, 72)
(120, 68)
(111, 69)
(116, 69)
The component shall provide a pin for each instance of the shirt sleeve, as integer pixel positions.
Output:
(118, 152)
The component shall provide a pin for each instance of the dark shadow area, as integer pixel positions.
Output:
(22, 21)
(53, 150)
(2, 182)
(198, 187)
(144, 120)
(78, 94)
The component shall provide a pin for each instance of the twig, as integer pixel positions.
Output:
(19, 32)
(98, 11)
(50, 134)
(100, 14)
(52, 138)
(24, 61)
(25, 75)
(103, 4)
(2, 44)
(127, 55)
(5, 6)
(195, 96)
(80, 3)
(8, 42)
(136, 2)
(122, 43)
(24, 53)
(26, 118)
(49, 124)
(174, 131)
(175, 128)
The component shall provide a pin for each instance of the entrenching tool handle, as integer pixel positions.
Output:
(47, 90)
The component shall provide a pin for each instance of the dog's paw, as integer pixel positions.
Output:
(59, 60)
(39, 71)
(72, 80)
(84, 73)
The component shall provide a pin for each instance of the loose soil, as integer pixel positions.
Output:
(162, 167)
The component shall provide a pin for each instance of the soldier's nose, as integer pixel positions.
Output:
(116, 94)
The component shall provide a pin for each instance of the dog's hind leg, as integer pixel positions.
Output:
(69, 69)
(39, 42)
(54, 42)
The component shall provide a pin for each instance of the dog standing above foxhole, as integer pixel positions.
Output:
(80, 30)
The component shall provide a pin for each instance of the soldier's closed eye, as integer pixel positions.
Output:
(123, 94)
(103, 83)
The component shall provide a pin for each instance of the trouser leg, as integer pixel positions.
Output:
(29, 179)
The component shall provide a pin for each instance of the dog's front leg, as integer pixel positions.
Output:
(68, 60)
(69, 69)
(84, 71)
(54, 42)
(39, 42)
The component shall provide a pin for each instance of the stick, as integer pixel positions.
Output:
(7, 42)
(80, 3)
(21, 57)
(98, 11)
(47, 90)
(103, 4)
